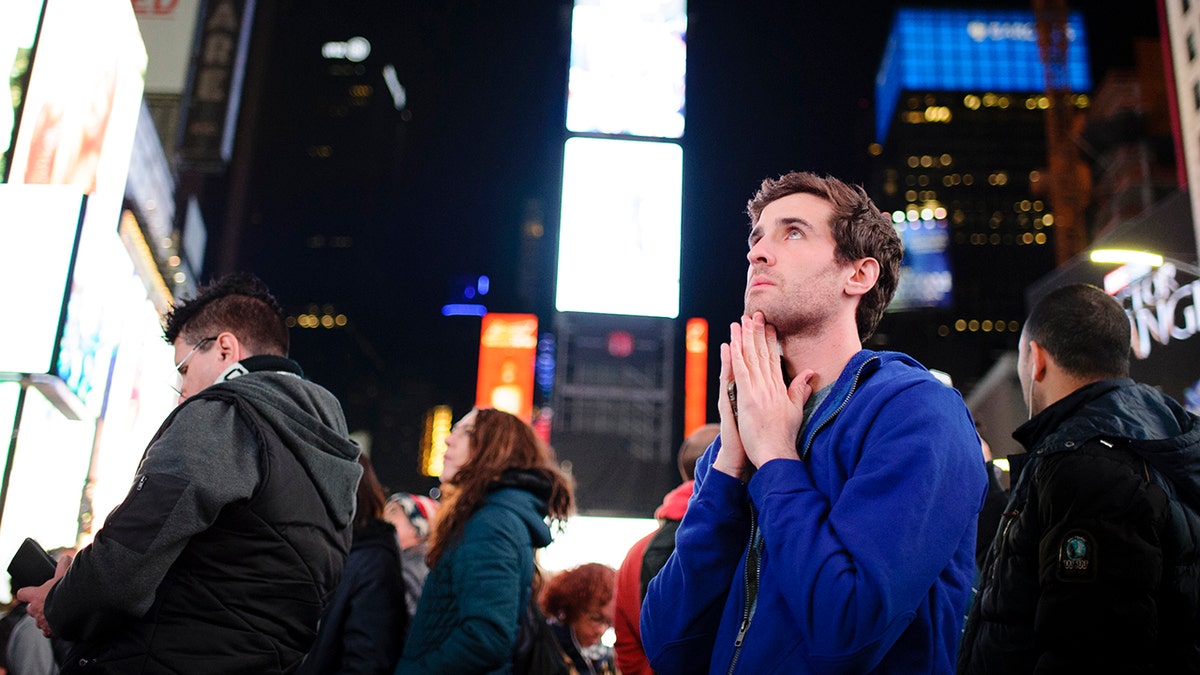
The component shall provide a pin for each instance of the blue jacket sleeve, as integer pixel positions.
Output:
(861, 562)
(682, 610)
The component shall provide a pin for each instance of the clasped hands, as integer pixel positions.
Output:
(769, 410)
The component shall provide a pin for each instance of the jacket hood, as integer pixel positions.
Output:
(525, 493)
(309, 421)
(675, 504)
(1159, 429)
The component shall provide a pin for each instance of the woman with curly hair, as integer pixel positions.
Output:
(499, 485)
(580, 603)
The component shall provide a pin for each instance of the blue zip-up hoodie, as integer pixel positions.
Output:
(869, 540)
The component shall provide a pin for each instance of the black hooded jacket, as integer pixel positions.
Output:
(1096, 564)
(230, 541)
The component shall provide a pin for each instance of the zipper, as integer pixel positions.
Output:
(753, 571)
(998, 546)
(845, 401)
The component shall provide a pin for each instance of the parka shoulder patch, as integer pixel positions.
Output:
(1077, 557)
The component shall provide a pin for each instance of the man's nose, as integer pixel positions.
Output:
(760, 253)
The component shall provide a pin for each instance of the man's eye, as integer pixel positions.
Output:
(183, 370)
(794, 234)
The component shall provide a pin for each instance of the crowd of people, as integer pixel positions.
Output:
(841, 517)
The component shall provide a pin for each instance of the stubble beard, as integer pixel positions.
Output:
(795, 313)
(792, 314)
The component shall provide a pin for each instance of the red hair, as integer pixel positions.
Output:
(571, 594)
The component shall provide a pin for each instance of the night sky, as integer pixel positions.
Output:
(772, 86)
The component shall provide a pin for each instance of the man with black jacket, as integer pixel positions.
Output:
(1094, 567)
(238, 523)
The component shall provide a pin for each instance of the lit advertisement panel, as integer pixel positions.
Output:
(49, 469)
(92, 329)
(507, 350)
(167, 27)
(628, 61)
(81, 110)
(619, 230)
(970, 50)
(77, 128)
(139, 399)
(39, 232)
(18, 30)
(925, 277)
(695, 376)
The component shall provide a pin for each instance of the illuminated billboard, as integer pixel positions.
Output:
(970, 50)
(81, 107)
(619, 230)
(18, 30)
(628, 61)
(41, 224)
(925, 277)
(168, 27)
(507, 349)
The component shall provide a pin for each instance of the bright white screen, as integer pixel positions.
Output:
(37, 234)
(628, 60)
(49, 471)
(618, 249)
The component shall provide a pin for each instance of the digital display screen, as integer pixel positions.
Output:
(970, 50)
(42, 222)
(618, 249)
(925, 277)
(18, 30)
(628, 62)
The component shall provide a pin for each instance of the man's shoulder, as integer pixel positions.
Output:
(893, 374)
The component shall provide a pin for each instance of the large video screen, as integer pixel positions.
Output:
(926, 280)
(18, 31)
(618, 249)
(38, 233)
(628, 61)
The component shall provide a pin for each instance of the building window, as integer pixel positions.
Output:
(1196, 94)
(1186, 4)
(1191, 46)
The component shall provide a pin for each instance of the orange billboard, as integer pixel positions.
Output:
(507, 349)
(695, 397)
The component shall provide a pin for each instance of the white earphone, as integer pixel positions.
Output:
(1029, 398)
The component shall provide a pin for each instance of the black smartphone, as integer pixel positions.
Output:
(31, 566)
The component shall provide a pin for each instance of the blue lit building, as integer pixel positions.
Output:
(960, 159)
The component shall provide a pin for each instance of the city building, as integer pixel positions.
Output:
(961, 158)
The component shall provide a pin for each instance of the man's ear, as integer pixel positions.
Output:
(229, 348)
(864, 274)
(1038, 360)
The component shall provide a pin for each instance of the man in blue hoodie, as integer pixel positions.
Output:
(833, 523)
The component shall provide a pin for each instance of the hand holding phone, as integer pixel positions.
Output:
(31, 566)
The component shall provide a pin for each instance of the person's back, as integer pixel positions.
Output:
(648, 555)
(1097, 562)
(363, 627)
(236, 529)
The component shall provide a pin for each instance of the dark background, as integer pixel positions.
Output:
(406, 203)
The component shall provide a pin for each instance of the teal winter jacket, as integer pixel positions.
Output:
(466, 622)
